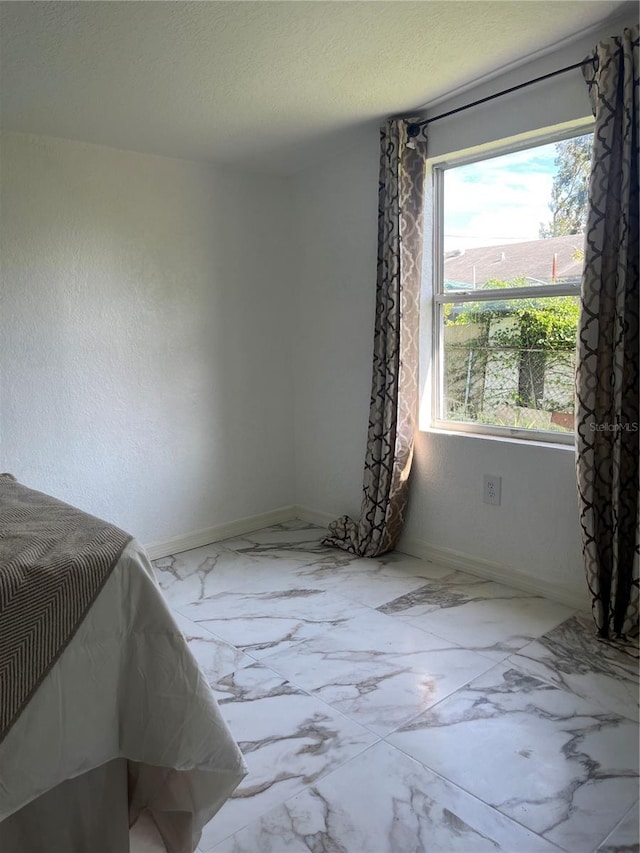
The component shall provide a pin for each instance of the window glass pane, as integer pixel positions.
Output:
(510, 362)
(517, 219)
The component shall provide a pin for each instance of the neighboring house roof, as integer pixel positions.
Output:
(534, 260)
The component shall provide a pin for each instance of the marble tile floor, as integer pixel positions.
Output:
(392, 705)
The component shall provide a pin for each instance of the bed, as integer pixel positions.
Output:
(121, 728)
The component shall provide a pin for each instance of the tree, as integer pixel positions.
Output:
(570, 189)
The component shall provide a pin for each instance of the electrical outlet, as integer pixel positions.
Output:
(491, 489)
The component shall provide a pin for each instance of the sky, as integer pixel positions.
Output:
(497, 201)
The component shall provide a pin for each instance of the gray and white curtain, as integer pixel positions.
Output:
(394, 389)
(607, 415)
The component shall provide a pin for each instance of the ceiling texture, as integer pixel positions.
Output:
(267, 85)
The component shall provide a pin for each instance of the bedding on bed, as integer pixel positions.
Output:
(54, 560)
(123, 726)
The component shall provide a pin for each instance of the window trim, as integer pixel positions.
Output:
(438, 296)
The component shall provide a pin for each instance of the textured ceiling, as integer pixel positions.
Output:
(264, 84)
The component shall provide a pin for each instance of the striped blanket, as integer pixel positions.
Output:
(54, 560)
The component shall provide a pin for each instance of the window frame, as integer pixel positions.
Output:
(439, 297)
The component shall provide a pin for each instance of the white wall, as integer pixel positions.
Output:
(144, 336)
(335, 209)
(150, 313)
(535, 533)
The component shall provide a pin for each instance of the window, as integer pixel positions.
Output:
(508, 244)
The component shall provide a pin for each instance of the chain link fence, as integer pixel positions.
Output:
(486, 382)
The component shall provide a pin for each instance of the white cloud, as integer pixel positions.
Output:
(498, 201)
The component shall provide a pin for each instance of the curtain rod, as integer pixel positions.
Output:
(414, 128)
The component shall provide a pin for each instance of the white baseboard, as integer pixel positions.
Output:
(313, 516)
(574, 596)
(198, 538)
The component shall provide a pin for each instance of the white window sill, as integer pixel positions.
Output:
(542, 441)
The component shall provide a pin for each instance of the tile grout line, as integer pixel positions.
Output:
(305, 789)
(635, 806)
(478, 799)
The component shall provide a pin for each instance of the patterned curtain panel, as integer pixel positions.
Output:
(607, 416)
(394, 390)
